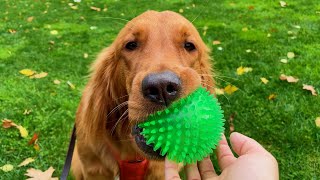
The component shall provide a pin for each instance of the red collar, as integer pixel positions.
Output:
(130, 169)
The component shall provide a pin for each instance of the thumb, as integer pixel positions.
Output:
(242, 144)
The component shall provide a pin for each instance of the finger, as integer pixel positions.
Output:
(192, 171)
(171, 170)
(242, 144)
(224, 154)
(206, 168)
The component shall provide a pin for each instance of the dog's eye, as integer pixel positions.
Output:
(131, 45)
(189, 46)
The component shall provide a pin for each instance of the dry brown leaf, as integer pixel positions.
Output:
(310, 88)
(56, 81)
(40, 75)
(216, 42)
(290, 79)
(26, 162)
(12, 31)
(30, 19)
(7, 123)
(95, 8)
(36, 174)
(33, 139)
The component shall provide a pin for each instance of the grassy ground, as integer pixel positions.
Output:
(285, 126)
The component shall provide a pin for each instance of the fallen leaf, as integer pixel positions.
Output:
(283, 3)
(230, 89)
(7, 168)
(180, 10)
(248, 50)
(310, 88)
(26, 111)
(36, 147)
(264, 80)
(272, 97)
(33, 139)
(317, 121)
(220, 48)
(251, 7)
(290, 55)
(6, 123)
(27, 72)
(85, 55)
(218, 91)
(241, 70)
(30, 19)
(56, 81)
(290, 79)
(54, 32)
(12, 31)
(71, 85)
(40, 75)
(216, 42)
(51, 42)
(245, 29)
(23, 131)
(36, 174)
(26, 162)
(284, 61)
(95, 8)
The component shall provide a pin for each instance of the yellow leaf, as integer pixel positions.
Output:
(241, 70)
(36, 174)
(71, 85)
(54, 32)
(245, 29)
(23, 131)
(30, 19)
(36, 147)
(284, 61)
(230, 89)
(272, 97)
(290, 55)
(27, 72)
(218, 91)
(95, 8)
(56, 81)
(283, 3)
(40, 75)
(264, 80)
(180, 10)
(26, 162)
(317, 121)
(7, 168)
(85, 55)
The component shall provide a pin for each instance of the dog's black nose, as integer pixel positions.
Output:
(162, 87)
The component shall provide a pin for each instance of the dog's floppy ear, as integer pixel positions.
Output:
(205, 69)
(101, 95)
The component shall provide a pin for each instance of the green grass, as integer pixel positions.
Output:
(284, 126)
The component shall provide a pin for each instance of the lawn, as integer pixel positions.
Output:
(62, 38)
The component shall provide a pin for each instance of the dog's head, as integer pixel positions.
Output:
(157, 58)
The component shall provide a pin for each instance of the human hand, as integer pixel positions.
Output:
(254, 162)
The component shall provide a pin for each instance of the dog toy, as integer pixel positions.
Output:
(188, 130)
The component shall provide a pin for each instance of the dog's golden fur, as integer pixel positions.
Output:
(112, 101)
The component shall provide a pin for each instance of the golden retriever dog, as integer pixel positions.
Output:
(157, 58)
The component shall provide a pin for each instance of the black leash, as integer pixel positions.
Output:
(68, 160)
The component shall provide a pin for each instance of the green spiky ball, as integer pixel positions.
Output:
(188, 130)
